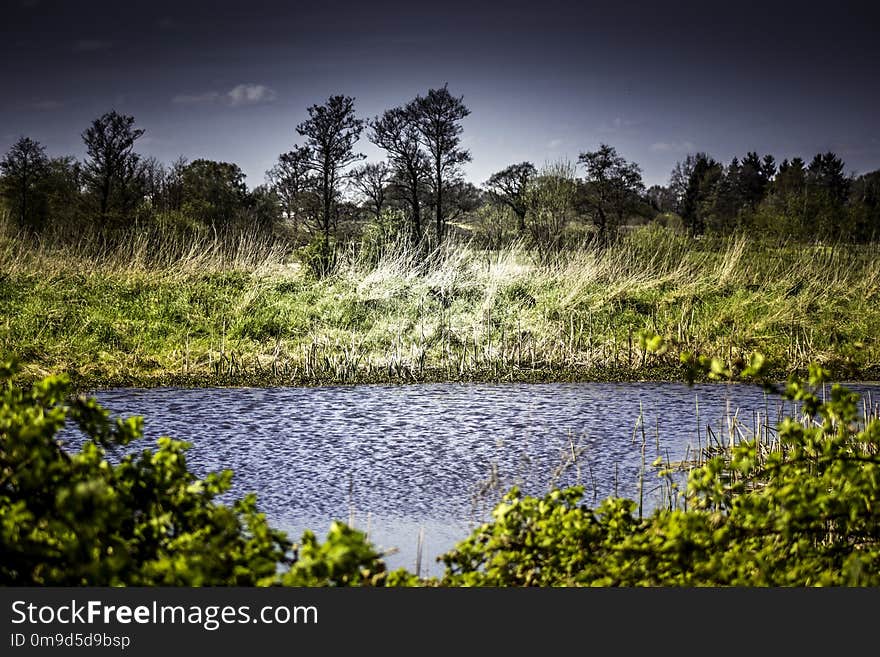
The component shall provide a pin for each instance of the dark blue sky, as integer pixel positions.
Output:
(544, 80)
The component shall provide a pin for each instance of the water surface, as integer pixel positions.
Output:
(395, 460)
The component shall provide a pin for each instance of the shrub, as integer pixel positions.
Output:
(802, 510)
(74, 518)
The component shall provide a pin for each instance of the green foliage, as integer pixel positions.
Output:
(802, 511)
(318, 256)
(74, 518)
(345, 559)
(550, 199)
(215, 193)
(548, 541)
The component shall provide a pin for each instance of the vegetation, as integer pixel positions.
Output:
(121, 270)
(71, 519)
(152, 311)
(314, 195)
(795, 507)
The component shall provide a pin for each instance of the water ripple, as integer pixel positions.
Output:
(396, 458)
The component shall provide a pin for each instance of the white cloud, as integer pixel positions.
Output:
(250, 94)
(239, 95)
(554, 143)
(672, 146)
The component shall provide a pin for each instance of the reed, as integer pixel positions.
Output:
(759, 429)
(241, 309)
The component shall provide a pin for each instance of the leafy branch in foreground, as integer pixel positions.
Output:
(801, 511)
(73, 518)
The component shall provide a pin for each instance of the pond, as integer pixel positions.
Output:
(417, 466)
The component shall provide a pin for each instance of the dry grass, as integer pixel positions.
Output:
(152, 309)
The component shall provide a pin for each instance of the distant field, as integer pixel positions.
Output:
(250, 314)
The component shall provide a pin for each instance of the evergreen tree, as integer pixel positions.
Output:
(24, 169)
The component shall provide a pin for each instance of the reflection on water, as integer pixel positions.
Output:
(394, 459)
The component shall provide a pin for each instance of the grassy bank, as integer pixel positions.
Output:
(147, 312)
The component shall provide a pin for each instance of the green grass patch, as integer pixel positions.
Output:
(457, 314)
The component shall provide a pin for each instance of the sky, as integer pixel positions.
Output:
(544, 80)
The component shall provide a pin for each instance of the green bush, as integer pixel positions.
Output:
(803, 510)
(318, 256)
(73, 518)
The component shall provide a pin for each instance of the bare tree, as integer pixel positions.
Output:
(371, 181)
(331, 132)
(436, 117)
(291, 179)
(154, 175)
(396, 133)
(680, 177)
(509, 187)
(24, 166)
(551, 197)
(112, 166)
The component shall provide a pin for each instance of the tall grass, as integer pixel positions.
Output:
(241, 309)
(138, 250)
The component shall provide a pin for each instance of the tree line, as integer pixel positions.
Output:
(322, 191)
(815, 201)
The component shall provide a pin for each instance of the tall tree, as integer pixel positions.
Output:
(24, 167)
(865, 206)
(680, 177)
(214, 192)
(826, 173)
(509, 187)
(791, 177)
(741, 189)
(725, 201)
(396, 133)
(436, 117)
(827, 191)
(112, 166)
(705, 173)
(783, 210)
(331, 132)
(754, 178)
(371, 181)
(292, 180)
(613, 186)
